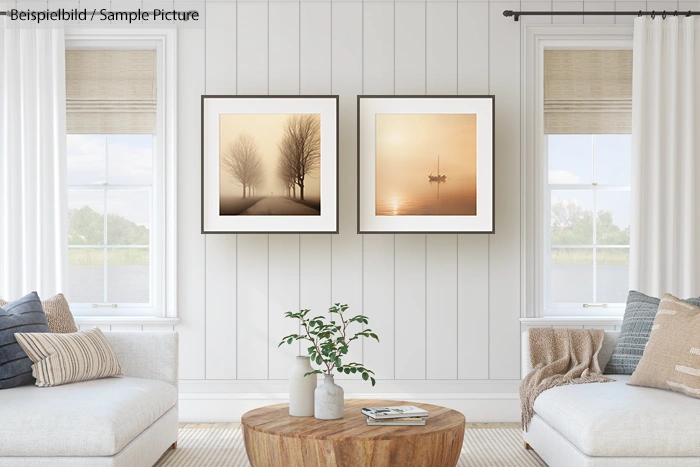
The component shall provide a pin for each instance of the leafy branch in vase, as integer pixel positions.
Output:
(331, 340)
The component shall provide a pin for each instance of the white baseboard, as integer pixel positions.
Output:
(219, 407)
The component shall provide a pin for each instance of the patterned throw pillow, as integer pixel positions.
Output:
(672, 357)
(634, 335)
(68, 358)
(23, 315)
(58, 314)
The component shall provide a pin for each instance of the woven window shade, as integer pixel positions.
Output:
(587, 91)
(111, 91)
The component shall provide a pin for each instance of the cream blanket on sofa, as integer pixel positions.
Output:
(560, 357)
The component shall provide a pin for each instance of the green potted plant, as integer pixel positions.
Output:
(330, 340)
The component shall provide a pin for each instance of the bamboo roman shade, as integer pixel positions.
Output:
(587, 91)
(111, 91)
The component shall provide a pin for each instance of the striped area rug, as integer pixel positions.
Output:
(223, 447)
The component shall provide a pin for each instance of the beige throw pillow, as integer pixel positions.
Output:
(58, 314)
(68, 358)
(671, 359)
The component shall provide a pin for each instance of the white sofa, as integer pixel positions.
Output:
(125, 421)
(613, 424)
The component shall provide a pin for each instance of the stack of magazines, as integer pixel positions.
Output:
(403, 415)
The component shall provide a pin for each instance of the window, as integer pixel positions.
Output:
(577, 171)
(110, 219)
(588, 194)
(120, 173)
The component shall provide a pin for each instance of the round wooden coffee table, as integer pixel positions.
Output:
(274, 439)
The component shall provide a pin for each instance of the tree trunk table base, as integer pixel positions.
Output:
(274, 439)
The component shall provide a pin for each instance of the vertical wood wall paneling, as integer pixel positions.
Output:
(598, 6)
(378, 250)
(629, 6)
(191, 257)
(315, 20)
(252, 350)
(220, 283)
(504, 251)
(473, 250)
(567, 6)
(283, 262)
(283, 40)
(441, 250)
(283, 296)
(252, 46)
(252, 266)
(410, 275)
(315, 63)
(346, 78)
(410, 48)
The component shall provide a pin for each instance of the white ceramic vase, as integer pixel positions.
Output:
(329, 400)
(301, 389)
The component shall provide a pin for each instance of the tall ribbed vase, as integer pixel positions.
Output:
(301, 389)
(330, 400)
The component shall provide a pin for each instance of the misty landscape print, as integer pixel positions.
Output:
(425, 165)
(270, 165)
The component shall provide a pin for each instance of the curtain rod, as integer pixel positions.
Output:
(517, 14)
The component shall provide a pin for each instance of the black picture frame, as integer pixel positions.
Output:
(361, 98)
(335, 177)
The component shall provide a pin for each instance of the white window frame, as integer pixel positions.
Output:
(163, 245)
(534, 176)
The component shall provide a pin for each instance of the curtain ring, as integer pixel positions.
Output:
(640, 14)
(653, 14)
(675, 13)
(688, 15)
(664, 15)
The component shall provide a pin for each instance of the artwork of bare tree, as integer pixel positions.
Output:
(300, 151)
(270, 164)
(242, 160)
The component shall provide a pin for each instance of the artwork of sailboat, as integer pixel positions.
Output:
(438, 177)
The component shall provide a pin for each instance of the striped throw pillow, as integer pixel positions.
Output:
(68, 358)
(58, 314)
(23, 315)
(671, 359)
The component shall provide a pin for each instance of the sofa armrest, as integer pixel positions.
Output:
(149, 355)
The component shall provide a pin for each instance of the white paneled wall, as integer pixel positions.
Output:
(446, 307)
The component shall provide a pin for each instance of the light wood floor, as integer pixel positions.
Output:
(206, 426)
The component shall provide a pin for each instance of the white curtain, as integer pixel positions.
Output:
(665, 228)
(33, 204)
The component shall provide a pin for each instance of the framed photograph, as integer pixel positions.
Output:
(425, 164)
(269, 164)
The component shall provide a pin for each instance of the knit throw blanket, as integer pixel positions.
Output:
(560, 357)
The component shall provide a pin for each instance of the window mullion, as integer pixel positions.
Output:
(595, 223)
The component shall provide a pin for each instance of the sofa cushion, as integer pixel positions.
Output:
(58, 313)
(636, 326)
(69, 357)
(90, 418)
(22, 315)
(672, 356)
(615, 420)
